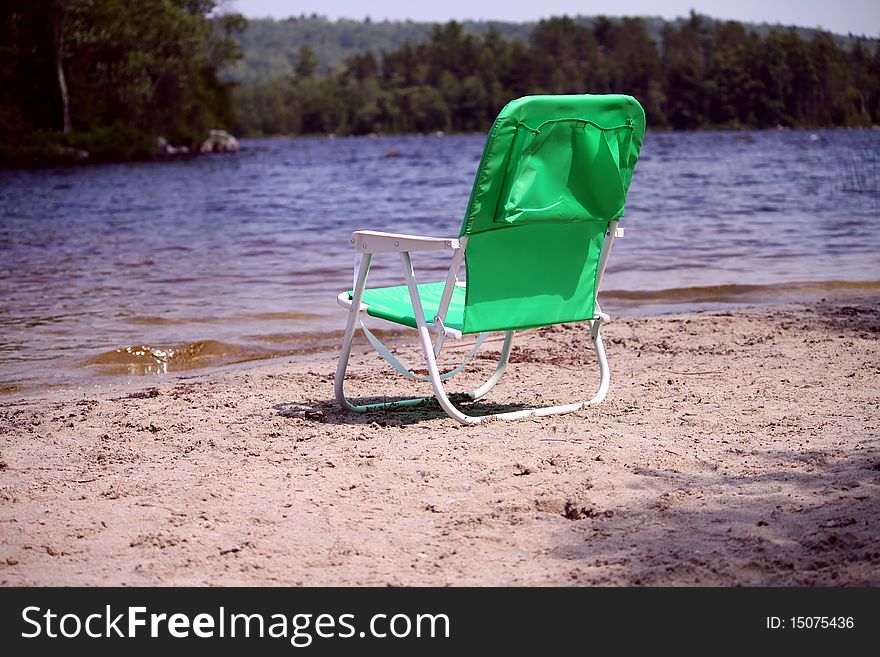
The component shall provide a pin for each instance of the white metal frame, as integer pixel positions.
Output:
(367, 243)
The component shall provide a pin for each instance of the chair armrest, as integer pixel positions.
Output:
(372, 241)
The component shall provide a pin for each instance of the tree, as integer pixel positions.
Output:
(422, 109)
(565, 55)
(630, 63)
(113, 80)
(834, 94)
(727, 76)
(305, 62)
(684, 64)
(58, 13)
(709, 73)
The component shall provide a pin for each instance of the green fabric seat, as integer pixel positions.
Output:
(394, 304)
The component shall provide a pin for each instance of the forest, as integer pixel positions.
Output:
(104, 79)
(701, 74)
(270, 47)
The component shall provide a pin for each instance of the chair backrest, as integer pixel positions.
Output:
(555, 171)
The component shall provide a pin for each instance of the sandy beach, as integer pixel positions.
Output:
(734, 448)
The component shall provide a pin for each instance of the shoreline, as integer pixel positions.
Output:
(724, 129)
(733, 449)
(135, 365)
(67, 157)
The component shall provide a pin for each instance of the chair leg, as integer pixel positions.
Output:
(453, 412)
(436, 381)
(434, 371)
(496, 376)
(350, 327)
(342, 367)
(604, 371)
(443, 399)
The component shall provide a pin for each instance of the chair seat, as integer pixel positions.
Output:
(394, 305)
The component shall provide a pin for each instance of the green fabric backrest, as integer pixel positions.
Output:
(555, 171)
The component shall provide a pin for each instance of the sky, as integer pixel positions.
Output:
(861, 17)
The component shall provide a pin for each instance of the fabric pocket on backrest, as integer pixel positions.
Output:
(564, 171)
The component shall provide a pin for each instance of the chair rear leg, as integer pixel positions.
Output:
(496, 376)
(443, 399)
(604, 371)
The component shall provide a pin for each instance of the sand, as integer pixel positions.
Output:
(733, 449)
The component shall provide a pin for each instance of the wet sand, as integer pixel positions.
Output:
(733, 449)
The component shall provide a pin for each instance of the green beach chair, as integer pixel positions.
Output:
(543, 213)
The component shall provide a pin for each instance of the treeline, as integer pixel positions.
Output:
(703, 73)
(107, 78)
(270, 47)
(104, 79)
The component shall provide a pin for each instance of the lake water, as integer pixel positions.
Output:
(127, 269)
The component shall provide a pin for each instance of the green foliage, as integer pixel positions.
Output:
(109, 76)
(688, 74)
(305, 62)
(132, 70)
(270, 47)
(118, 141)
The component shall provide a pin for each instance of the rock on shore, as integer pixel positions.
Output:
(220, 141)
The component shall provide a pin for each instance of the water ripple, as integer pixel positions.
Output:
(240, 253)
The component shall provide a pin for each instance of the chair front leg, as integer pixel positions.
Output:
(350, 327)
(428, 347)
